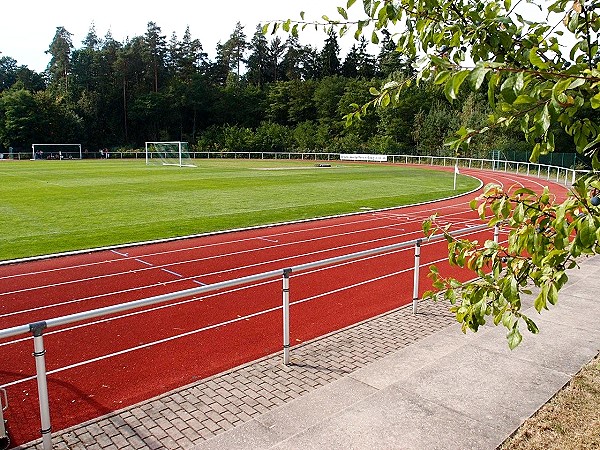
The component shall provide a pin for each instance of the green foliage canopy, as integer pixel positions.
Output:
(539, 64)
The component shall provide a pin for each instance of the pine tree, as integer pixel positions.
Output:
(60, 64)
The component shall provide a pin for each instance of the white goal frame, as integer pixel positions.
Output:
(179, 152)
(33, 146)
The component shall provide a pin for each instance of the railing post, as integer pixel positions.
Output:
(496, 233)
(4, 440)
(286, 316)
(37, 329)
(416, 275)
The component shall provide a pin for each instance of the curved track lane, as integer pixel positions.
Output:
(109, 363)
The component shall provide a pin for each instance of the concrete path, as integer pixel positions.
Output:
(446, 391)
(398, 381)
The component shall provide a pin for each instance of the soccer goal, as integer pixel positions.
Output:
(168, 154)
(56, 151)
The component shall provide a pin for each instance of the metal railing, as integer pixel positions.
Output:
(37, 329)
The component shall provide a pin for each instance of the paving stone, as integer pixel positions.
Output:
(197, 412)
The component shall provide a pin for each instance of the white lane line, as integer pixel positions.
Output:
(172, 273)
(233, 290)
(266, 239)
(143, 262)
(119, 253)
(208, 258)
(196, 247)
(209, 327)
(258, 264)
(147, 345)
(143, 311)
(199, 282)
(161, 284)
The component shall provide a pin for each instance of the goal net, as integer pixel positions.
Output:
(56, 151)
(168, 154)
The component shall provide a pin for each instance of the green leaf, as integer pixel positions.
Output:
(595, 101)
(545, 118)
(540, 302)
(514, 337)
(350, 3)
(374, 38)
(492, 89)
(507, 90)
(536, 60)
(458, 79)
(587, 231)
(524, 99)
(342, 12)
(552, 294)
(531, 326)
(441, 77)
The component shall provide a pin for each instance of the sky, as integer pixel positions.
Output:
(28, 28)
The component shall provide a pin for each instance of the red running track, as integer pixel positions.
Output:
(106, 364)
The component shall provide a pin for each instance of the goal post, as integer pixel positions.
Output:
(56, 151)
(174, 153)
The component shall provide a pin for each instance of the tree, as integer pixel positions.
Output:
(358, 62)
(59, 66)
(191, 58)
(8, 72)
(329, 56)
(292, 59)
(390, 60)
(156, 52)
(234, 49)
(258, 61)
(539, 65)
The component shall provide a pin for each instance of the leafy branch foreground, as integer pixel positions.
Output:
(539, 64)
(545, 238)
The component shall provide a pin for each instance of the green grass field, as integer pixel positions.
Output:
(54, 206)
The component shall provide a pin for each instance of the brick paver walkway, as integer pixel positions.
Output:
(199, 411)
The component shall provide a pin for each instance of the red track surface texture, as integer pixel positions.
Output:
(109, 363)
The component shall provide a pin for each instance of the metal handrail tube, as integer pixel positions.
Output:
(85, 315)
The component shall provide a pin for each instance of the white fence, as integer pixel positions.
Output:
(558, 174)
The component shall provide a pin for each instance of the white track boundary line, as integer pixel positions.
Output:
(217, 233)
(209, 327)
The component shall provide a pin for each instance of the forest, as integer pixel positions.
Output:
(260, 93)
